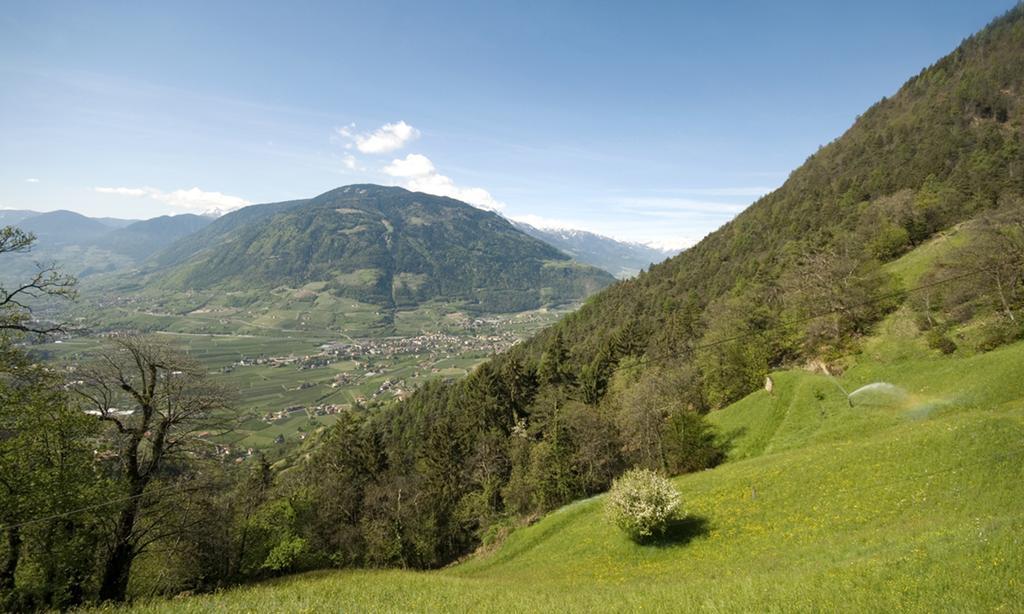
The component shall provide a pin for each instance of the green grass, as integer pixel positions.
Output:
(914, 264)
(901, 502)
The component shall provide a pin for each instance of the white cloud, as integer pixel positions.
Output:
(755, 191)
(32, 180)
(122, 191)
(420, 175)
(192, 199)
(673, 245)
(546, 223)
(413, 165)
(197, 200)
(351, 163)
(387, 138)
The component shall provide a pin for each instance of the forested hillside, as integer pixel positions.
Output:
(381, 245)
(948, 146)
(142, 239)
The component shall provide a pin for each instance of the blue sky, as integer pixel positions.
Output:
(647, 121)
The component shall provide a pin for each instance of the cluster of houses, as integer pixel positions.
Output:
(325, 409)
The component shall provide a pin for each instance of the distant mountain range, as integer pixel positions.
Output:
(381, 245)
(619, 258)
(86, 246)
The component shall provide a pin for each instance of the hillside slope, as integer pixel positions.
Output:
(381, 245)
(58, 228)
(218, 231)
(946, 147)
(141, 240)
(899, 502)
(71, 241)
(803, 277)
(85, 246)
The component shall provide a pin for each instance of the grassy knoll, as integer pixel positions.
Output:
(908, 500)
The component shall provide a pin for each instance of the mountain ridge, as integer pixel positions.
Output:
(384, 245)
(620, 258)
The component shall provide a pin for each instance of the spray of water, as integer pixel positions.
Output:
(841, 389)
(876, 393)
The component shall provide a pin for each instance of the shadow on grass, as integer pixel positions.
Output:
(727, 441)
(680, 532)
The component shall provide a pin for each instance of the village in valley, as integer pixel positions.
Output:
(376, 358)
(291, 384)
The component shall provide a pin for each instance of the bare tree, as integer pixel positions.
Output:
(998, 256)
(847, 289)
(48, 281)
(159, 403)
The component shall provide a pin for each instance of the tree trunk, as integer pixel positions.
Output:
(119, 564)
(1002, 298)
(13, 538)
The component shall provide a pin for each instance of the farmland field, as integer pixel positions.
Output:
(284, 383)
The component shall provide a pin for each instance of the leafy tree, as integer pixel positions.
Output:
(986, 279)
(596, 444)
(997, 254)
(47, 473)
(734, 352)
(157, 402)
(660, 424)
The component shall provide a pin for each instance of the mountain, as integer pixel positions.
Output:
(115, 222)
(382, 245)
(619, 258)
(13, 216)
(63, 227)
(218, 230)
(143, 239)
(85, 246)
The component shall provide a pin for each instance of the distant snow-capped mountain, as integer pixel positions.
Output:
(620, 258)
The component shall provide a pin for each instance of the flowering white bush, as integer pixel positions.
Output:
(642, 503)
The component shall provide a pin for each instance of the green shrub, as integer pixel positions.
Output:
(998, 333)
(643, 503)
(937, 340)
(889, 241)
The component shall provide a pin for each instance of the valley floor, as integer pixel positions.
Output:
(910, 500)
